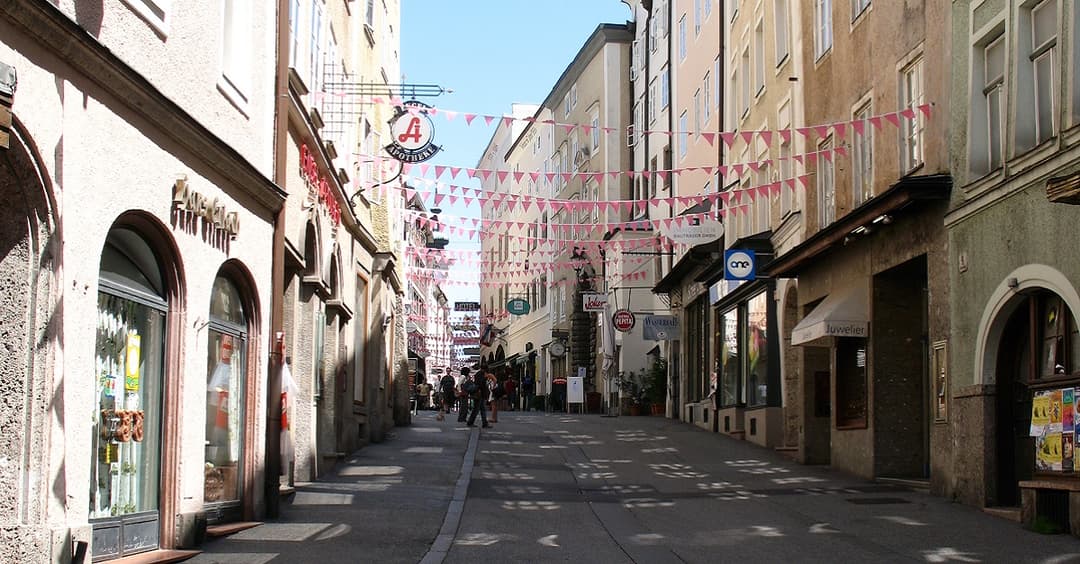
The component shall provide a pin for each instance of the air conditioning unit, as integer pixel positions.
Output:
(631, 137)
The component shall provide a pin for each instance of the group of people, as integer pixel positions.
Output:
(481, 390)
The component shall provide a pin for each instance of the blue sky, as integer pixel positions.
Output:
(491, 53)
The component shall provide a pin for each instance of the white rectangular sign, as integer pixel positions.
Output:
(594, 302)
(575, 390)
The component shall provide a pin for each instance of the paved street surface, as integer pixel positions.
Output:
(585, 488)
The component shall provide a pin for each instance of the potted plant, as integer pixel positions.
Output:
(632, 391)
(656, 386)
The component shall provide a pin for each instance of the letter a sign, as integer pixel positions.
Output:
(412, 134)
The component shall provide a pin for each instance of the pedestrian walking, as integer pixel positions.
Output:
(479, 393)
(511, 393)
(446, 386)
(463, 395)
(496, 393)
(528, 390)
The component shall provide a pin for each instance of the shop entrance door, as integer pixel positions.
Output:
(1015, 448)
(125, 470)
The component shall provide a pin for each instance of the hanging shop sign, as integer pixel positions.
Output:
(317, 183)
(739, 264)
(215, 214)
(517, 306)
(594, 302)
(698, 232)
(412, 134)
(466, 306)
(623, 320)
(660, 327)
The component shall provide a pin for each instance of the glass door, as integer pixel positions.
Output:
(226, 372)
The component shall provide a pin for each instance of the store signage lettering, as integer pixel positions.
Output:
(845, 329)
(739, 265)
(660, 327)
(594, 302)
(623, 320)
(309, 170)
(412, 134)
(466, 306)
(518, 306)
(187, 199)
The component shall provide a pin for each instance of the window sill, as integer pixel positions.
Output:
(851, 425)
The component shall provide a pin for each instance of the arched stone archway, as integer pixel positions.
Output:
(30, 315)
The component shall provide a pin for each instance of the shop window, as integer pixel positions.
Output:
(226, 380)
(729, 358)
(129, 378)
(1058, 335)
(757, 350)
(850, 402)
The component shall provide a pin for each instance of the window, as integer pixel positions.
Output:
(315, 47)
(697, 18)
(911, 96)
(537, 144)
(595, 130)
(759, 58)
(235, 50)
(226, 377)
(862, 169)
(716, 77)
(543, 290)
(665, 89)
(763, 204)
(154, 12)
(993, 107)
(826, 185)
(566, 106)
(683, 135)
(729, 364)
(654, 99)
(573, 96)
(757, 347)
(822, 27)
(706, 92)
(744, 70)
(360, 340)
(294, 31)
(851, 382)
(654, 21)
(697, 112)
(708, 8)
(369, 14)
(1043, 59)
(858, 7)
(780, 29)
(682, 38)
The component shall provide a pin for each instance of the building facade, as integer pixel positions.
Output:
(142, 203)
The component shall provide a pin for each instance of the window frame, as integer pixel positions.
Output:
(862, 155)
(912, 131)
(823, 32)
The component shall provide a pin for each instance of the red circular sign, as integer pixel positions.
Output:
(623, 319)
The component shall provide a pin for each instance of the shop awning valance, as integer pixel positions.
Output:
(843, 313)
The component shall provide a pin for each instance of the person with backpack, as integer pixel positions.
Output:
(477, 389)
(446, 389)
(463, 395)
(528, 389)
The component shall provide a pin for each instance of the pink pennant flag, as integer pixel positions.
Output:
(587, 130)
(598, 177)
(893, 118)
(470, 172)
(840, 129)
(409, 194)
(424, 168)
(485, 173)
(609, 130)
(663, 174)
(453, 199)
(518, 175)
(908, 113)
(754, 166)
(439, 170)
(822, 131)
(469, 118)
(804, 131)
(439, 199)
(614, 174)
(667, 222)
(489, 119)
(766, 136)
(785, 134)
(859, 126)
(450, 115)
(709, 138)
(534, 176)
(876, 122)
(454, 170)
(728, 137)
(507, 121)
(798, 159)
(566, 176)
(502, 174)
(510, 205)
(708, 170)
(842, 151)
(828, 155)
(550, 176)
(568, 127)
(747, 136)
(737, 169)
(804, 180)
(774, 189)
(925, 109)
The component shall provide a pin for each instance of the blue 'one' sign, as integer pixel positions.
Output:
(739, 264)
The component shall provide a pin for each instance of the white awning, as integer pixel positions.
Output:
(843, 313)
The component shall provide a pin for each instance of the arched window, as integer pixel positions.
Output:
(129, 380)
(226, 372)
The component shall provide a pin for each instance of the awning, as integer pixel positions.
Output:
(842, 314)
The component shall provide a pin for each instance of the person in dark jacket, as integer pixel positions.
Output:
(462, 397)
(446, 391)
(480, 396)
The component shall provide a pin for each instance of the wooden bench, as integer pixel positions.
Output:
(1030, 501)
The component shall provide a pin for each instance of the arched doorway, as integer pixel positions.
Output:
(228, 476)
(1038, 354)
(133, 455)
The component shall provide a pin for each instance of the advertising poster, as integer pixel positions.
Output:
(1040, 413)
(1068, 423)
(1048, 452)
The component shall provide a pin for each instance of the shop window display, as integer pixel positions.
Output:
(757, 354)
(225, 384)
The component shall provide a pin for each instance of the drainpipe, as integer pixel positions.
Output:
(277, 283)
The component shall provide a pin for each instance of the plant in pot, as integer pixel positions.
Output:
(632, 391)
(655, 386)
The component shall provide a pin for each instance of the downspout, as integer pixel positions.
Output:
(277, 283)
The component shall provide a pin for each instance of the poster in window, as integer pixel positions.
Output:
(1040, 414)
(1047, 413)
(940, 365)
(1067, 429)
